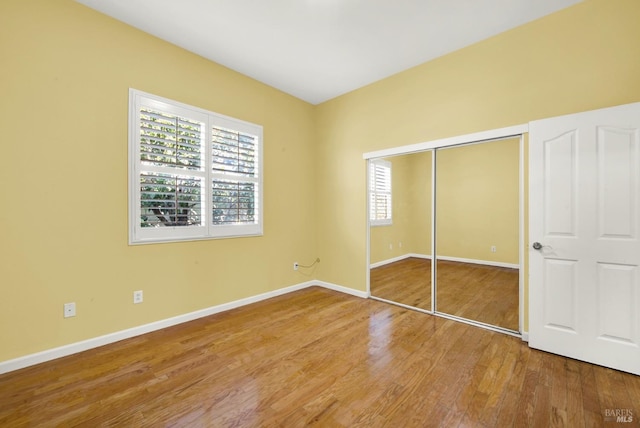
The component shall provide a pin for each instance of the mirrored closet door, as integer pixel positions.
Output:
(400, 229)
(467, 196)
(477, 232)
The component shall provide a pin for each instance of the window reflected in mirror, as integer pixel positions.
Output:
(477, 217)
(400, 250)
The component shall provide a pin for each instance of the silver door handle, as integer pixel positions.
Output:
(537, 246)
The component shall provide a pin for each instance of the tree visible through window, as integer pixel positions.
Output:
(234, 154)
(194, 174)
(175, 144)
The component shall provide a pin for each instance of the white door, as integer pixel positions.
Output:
(584, 283)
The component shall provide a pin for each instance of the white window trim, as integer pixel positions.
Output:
(140, 235)
(386, 164)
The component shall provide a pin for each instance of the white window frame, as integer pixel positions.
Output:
(143, 235)
(375, 191)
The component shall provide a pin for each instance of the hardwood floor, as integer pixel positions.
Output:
(488, 294)
(406, 281)
(317, 357)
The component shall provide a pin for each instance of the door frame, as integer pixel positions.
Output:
(516, 131)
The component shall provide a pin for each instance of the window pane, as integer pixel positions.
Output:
(233, 202)
(195, 174)
(382, 207)
(380, 192)
(382, 178)
(233, 152)
(169, 140)
(170, 200)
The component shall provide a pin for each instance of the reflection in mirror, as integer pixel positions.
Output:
(400, 249)
(477, 232)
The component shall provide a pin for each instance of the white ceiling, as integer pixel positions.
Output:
(318, 49)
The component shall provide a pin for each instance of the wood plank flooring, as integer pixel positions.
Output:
(488, 294)
(317, 357)
(406, 281)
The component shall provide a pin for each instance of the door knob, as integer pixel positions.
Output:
(537, 246)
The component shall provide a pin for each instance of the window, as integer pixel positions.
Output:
(379, 192)
(193, 174)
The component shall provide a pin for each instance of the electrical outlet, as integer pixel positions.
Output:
(137, 296)
(493, 249)
(295, 265)
(70, 309)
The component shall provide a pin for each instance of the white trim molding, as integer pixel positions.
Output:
(341, 289)
(84, 345)
(476, 137)
(479, 262)
(397, 259)
(447, 258)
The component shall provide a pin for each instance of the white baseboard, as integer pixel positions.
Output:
(74, 348)
(525, 336)
(447, 258)
(480, 262)
(420, 256)
(397, 259)
(340, 288)
(388, 261)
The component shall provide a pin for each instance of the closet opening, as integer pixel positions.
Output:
(453, 243)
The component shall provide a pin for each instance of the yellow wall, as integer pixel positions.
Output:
(477, 204)
(410, 232)
(582, 58)
(477, 201)
(64, 80)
